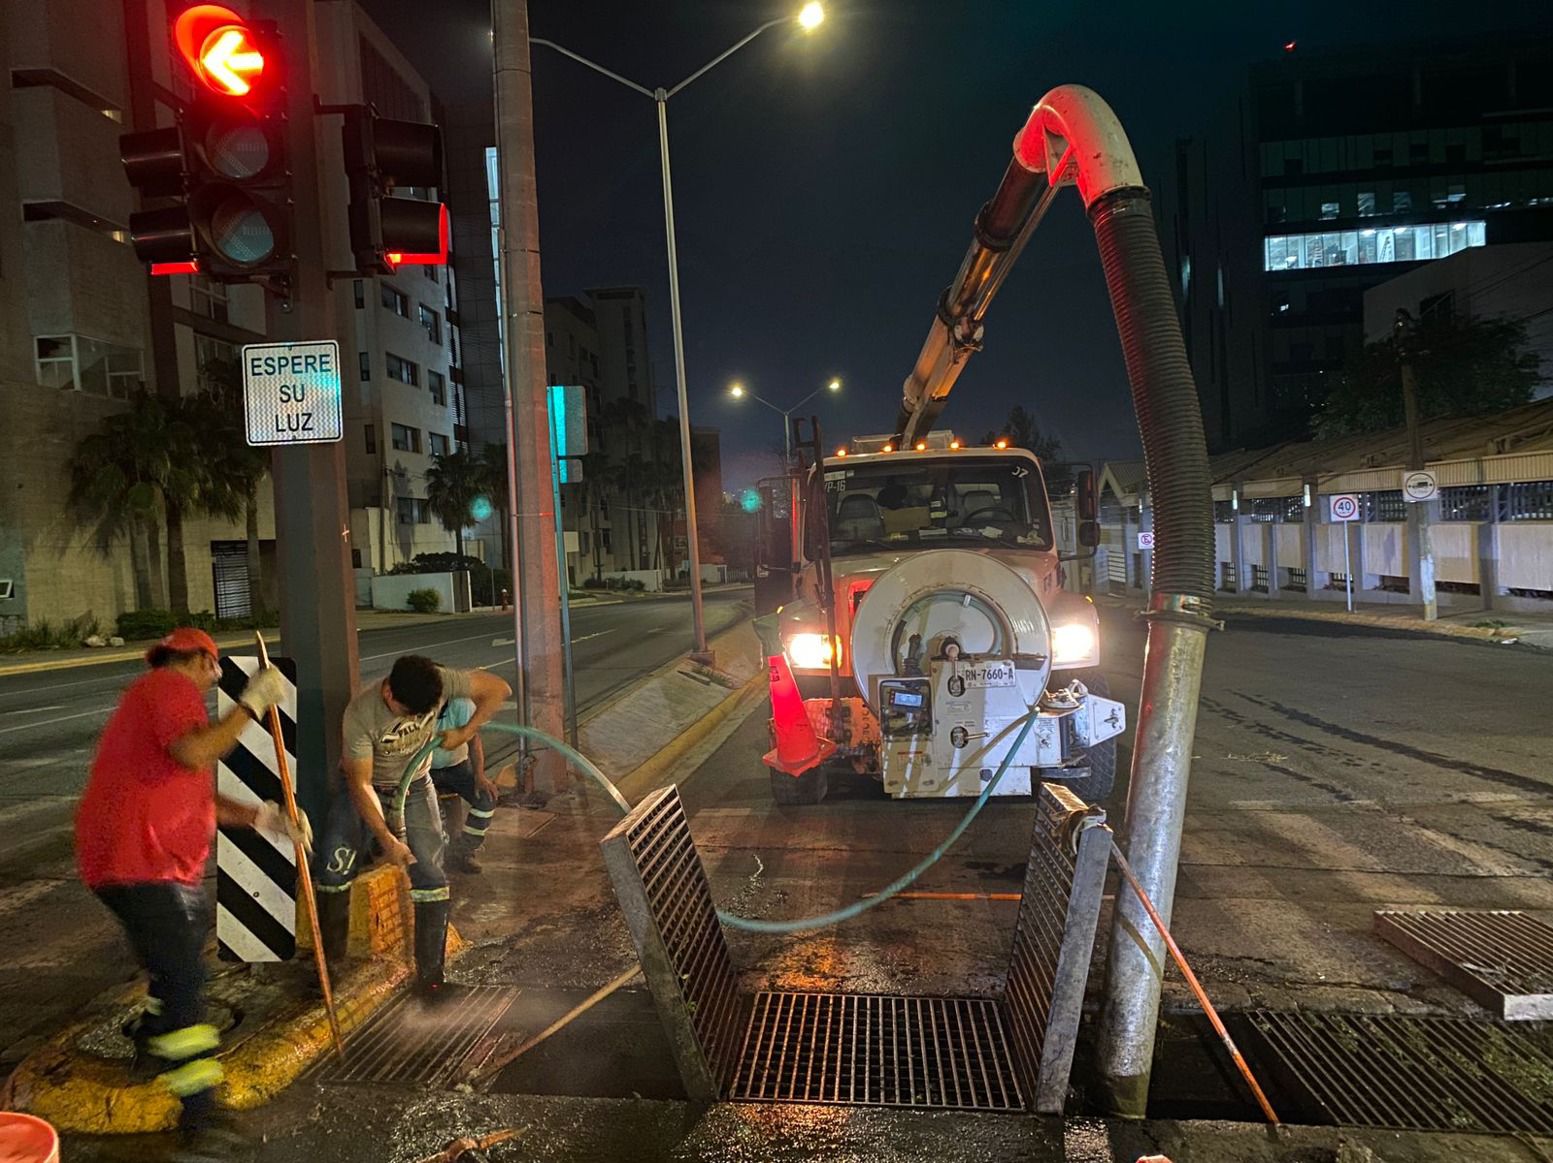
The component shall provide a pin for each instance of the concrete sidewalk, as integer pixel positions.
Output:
(32, 661)
(1501, 626)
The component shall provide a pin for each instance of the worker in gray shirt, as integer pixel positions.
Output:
(385, 725)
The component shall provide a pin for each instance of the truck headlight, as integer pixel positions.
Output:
(811, 651)
(1073, 642)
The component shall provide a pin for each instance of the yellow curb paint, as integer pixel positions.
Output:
(643, 778)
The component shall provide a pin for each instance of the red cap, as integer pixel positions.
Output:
(188, 640)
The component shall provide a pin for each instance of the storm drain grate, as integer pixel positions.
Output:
(1501, 959)
(410, 1041)
(1398, 1072)
(878, 1050)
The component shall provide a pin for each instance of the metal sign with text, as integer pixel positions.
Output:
(1345, 507)
(1420, 485)
(292, 393)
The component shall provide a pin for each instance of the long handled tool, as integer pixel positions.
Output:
(1191, 980)
(304, 880)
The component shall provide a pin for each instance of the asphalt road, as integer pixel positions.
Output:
(56, 937)
(1337, 770)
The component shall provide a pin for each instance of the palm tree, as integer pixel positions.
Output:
(453, 482)
(237, 467)
(137, 462)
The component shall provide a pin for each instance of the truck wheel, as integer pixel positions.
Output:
(792, 791)
(1096, 787)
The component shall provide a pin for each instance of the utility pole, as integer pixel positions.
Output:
(1417, 511)
(312, 519)
(541, 650)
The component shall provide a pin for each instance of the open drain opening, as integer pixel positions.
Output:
(616, 1050)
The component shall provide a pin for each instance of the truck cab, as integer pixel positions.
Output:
(929, 518)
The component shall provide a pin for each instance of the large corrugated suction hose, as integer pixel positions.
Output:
(1163, 394)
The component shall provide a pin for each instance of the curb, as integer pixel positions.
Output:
(1502, 634)
(89, 1096)
(652, 769)
(224, 641)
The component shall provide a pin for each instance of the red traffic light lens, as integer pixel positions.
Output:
(219, 48)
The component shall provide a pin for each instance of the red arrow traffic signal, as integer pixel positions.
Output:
(220, 49)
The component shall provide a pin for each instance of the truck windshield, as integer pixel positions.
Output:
(909, 502)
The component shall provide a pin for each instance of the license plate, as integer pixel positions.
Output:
(988, 674)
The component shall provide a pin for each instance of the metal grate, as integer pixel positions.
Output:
(664, 892)
(878, 1050)
(1503, 960)
(410, 1041)
(1411, 1073)
(868, 1049)
(1054, 939)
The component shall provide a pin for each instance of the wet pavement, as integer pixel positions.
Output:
(1337, 771)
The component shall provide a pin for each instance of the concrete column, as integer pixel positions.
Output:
(1237, 542)
(1313, 584)
(1488, 550)
(1146, 525)
(1271, 557)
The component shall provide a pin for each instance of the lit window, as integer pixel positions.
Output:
(1293, 252)
(1329, 210)
(436, 444)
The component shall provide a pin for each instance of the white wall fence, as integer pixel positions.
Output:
(1493, 547)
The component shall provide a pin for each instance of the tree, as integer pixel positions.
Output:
(136, 463)
(494, 485)
(1464, 367)
(1022, 431)
(453, 482)
(236, 468)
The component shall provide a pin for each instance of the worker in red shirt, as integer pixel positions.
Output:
(143, 832)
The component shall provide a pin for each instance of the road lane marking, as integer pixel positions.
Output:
(37, 710)
(428, 645)
(51, 722)
(600, 634)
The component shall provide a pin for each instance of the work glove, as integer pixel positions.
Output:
(272, 818)
(265, 689)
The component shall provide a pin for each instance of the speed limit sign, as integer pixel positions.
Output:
(1345, 507)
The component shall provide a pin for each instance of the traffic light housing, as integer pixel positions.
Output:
(224, 166)
(382, 155)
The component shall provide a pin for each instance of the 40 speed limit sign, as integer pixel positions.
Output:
(1344, 507)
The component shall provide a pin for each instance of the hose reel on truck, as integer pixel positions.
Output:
(951, 648)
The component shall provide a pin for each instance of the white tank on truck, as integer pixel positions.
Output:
(923, 617)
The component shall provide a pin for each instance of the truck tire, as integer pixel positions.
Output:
(1095, 787)
(797, 790)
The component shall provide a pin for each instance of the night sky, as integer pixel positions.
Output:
(825, 184)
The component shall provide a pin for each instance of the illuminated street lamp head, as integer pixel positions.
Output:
(834, 386)
(736, 390)
(812, 16)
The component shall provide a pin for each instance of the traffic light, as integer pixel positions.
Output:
(382, 155)
(225, 163)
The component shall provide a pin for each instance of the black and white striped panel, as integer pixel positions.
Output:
(256, 874)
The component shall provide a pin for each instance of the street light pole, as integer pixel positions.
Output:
(687, 464)
(739, 391)
(809, 18)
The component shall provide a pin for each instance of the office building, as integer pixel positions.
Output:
(1331, 173)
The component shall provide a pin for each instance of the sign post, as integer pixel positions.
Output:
(1345, 510)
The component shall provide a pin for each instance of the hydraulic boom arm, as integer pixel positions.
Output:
(1071, 138)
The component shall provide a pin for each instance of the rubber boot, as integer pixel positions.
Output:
(334, 925)
(431, 941)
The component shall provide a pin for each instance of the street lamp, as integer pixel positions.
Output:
(738, 391)
(808, 19)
